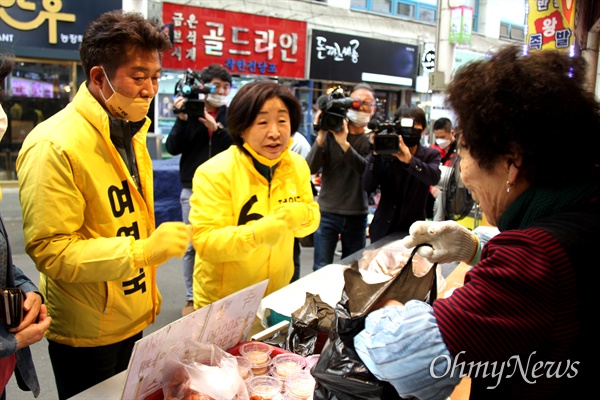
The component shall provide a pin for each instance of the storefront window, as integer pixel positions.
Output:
(33, 92)
(382, 6)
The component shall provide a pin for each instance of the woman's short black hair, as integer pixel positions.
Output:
(536, 105)
(248, 101)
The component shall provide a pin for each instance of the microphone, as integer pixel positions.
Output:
(324, 102)
(373, 124)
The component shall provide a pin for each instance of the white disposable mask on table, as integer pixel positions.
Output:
(123, 107)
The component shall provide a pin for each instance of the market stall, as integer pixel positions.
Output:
(327, 282)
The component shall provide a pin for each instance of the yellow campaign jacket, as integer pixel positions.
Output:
(227, 193)
(81, 215)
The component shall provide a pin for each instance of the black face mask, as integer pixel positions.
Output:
(411, 136)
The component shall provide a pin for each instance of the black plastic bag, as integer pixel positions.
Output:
(310, 326)
(340, 373)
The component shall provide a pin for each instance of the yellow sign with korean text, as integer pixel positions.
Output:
(550, 24)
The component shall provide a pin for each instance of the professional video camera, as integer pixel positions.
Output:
(386, 134)
(191, 87)
(333, 108)
(385, 141)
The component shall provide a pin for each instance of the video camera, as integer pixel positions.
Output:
(191, 87)
(386, 140)
(334, 107)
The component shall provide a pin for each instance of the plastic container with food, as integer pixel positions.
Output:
(259, 355)
(285, 364)
(244, 367)
(300, 385)
(264, 388)
(256, 352)
(312, 360)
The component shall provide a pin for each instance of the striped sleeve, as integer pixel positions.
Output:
(511, 299)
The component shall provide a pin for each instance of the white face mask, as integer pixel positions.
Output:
(443, 143)
(123, 107)
(216, 100)
(3, 122)
(358, 118)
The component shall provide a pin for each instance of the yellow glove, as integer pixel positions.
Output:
(269, 230)
(296, 215)
(170, 239)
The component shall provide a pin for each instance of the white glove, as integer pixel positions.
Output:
(450, 240)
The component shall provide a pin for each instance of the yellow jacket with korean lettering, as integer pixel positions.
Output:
(81, 215)
(227, 193)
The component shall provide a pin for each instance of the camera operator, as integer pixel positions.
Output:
(340, 156)
(403, 178)
(197, 139)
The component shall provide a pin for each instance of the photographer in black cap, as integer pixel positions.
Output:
(403, 177)
(198, 138)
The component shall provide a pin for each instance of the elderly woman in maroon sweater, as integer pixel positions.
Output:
(518, 326)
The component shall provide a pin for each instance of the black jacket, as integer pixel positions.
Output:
(190, 139)
(404, 189)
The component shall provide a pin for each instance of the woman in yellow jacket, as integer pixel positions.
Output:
(250, 201)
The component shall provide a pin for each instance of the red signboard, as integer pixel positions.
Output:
(244, 43)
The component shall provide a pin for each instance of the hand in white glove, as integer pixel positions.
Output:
(450, 240)
(269, 230)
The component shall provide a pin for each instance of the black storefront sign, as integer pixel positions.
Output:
(349, 58)
(49, 29)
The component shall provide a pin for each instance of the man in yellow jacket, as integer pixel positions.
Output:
(86, 190)
(250, 201)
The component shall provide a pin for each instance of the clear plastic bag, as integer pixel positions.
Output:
(195, 370)
(387, 260)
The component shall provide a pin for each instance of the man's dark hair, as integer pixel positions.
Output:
(216, 71)
(443, 123)
(7, 63)
(6, 66)
(412, 111)
(248, 101)
(107, 39)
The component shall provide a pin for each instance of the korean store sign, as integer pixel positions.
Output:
(243, 43)
(349, 58)
(52, 25)
(550, 24)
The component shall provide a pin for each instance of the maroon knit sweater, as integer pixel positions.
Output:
(523, 299)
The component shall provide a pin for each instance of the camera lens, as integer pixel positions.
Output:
(331, 122)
